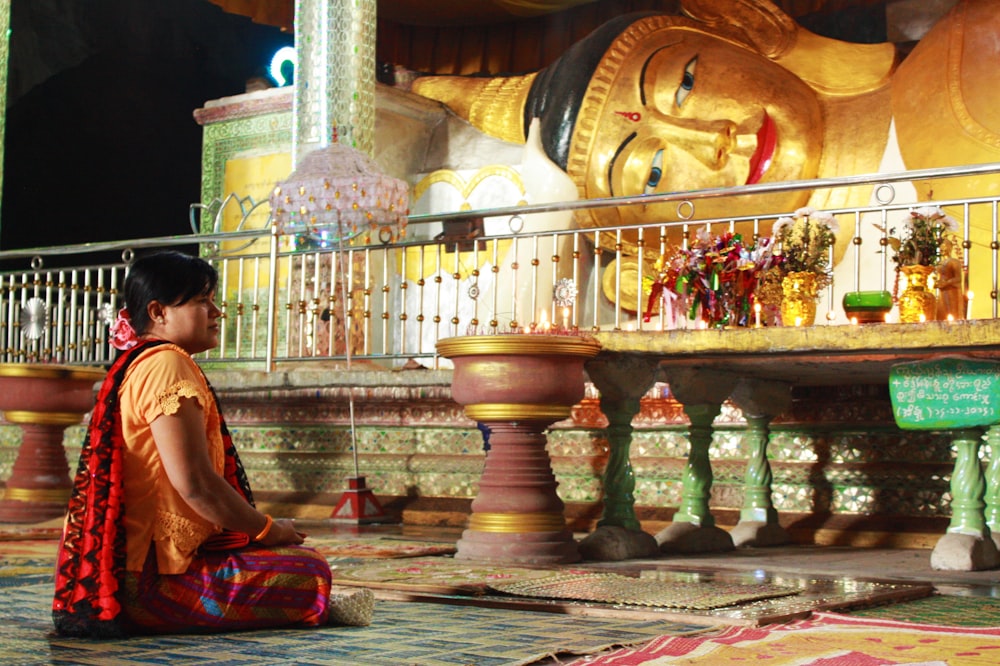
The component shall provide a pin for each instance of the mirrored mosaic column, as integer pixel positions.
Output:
(4, 59)
(335, 79)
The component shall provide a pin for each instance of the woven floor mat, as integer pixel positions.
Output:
(627, 590)
(440, 575)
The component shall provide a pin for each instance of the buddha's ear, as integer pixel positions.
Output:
(759, 24)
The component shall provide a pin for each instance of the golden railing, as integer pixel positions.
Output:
(284, 299)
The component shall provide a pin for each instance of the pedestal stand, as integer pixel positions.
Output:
(43, 400)
(518, 385)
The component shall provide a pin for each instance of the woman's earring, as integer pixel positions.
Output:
(159, 320)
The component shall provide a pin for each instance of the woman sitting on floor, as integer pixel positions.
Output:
(162, 535)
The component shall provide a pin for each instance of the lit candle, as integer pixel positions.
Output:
(756, 315)
(565, 318)
(854, 321)
(798, 321)
(923, 317)
(543, 321)
(951, 318)
(968, 305)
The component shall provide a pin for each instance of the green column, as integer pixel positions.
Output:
(619, 479)
(698, 471)
(993, 481)
(757, 505)
(968, 486)
(621, 383)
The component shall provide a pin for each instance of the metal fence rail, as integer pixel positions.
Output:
(390, 303)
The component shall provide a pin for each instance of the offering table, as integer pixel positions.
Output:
(755, 367)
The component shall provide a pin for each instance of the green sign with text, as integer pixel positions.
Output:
(946, 393)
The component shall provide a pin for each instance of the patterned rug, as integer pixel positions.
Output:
(630, 591)
(964, 611)
(826, 639)
(9, 532)
(378, 547)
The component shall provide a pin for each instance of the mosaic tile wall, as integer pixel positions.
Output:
(835, 452)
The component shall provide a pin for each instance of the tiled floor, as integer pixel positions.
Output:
(435, 633)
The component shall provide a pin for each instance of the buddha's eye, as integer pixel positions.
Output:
(687, 81)
(655, 172)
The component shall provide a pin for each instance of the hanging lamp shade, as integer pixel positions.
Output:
(338, 193)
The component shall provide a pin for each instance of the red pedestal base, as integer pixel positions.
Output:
(358, 504)
(39, 485)
(519, 547)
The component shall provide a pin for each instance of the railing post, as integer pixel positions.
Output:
(272, 298)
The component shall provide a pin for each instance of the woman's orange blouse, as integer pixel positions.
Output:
(155, 513)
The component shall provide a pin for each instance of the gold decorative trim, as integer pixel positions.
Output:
(518, 344)
(57, 495)
(46, 371)
(43, 418)
(508, 523)
(517, 412)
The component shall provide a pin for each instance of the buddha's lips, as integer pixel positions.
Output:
(760, 161)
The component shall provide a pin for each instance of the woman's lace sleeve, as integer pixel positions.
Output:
(170, 398)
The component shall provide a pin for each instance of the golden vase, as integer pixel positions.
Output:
(917, 303)
(798, 300)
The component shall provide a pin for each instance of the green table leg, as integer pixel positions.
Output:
(968, 486)
(967, 544)
(757, 505)
(993, 484)
(621, 383)
(619, 479)
(698, 471)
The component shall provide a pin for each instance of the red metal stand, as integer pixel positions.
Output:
(358, 504)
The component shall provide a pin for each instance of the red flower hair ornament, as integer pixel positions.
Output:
(123, 336)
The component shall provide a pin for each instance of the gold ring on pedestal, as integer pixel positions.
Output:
(507, 523)
(517, 412)
(43, 418)
(59, 495)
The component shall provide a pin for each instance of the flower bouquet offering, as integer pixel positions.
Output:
(922, 244)
(804, 241)
(713, 280)
(801, 267)
(922, 237)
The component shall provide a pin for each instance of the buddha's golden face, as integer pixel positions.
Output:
(690, 111)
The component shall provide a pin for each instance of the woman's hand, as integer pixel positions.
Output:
(282, 533)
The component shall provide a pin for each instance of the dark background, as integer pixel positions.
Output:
(101, 143)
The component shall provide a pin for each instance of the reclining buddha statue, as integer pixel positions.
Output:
(735, 92)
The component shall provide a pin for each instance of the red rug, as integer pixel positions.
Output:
(825, 639)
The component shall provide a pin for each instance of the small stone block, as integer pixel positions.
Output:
(945, 394)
